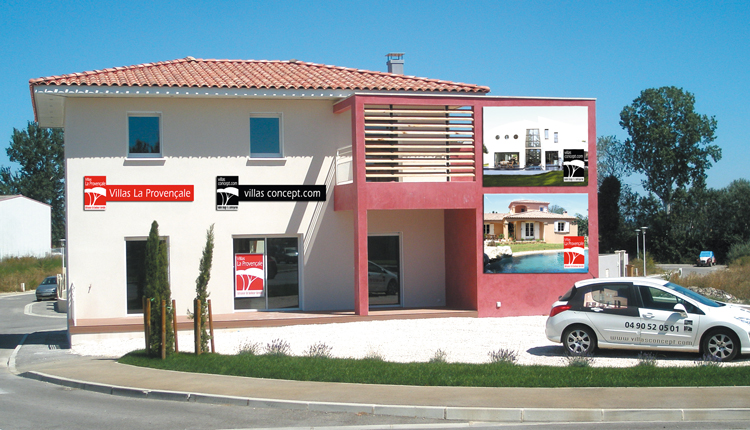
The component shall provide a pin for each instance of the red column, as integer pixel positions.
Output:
(361, 297)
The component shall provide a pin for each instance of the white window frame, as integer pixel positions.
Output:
(565, 225)
(280, 117)
(148, 114)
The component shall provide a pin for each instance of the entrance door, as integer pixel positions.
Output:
(384, 270)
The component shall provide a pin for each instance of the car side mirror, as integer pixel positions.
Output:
(679, 307)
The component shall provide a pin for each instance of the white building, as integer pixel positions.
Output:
(391, 214)
(25, 227)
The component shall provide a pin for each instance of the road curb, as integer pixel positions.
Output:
(504, 415)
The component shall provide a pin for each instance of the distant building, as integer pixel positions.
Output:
(25, 227)
(530, 220)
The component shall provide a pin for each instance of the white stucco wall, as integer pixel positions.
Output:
(202, 139)
(25, 227)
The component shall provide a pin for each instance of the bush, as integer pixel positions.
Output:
(439, 357)
(503, 355)
(584, 360)
(319, 350)
(277, 347)
(27, 270)
(738, 251)
(249, 348)
(646, 359)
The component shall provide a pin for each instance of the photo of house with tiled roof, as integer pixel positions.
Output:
(532, 235)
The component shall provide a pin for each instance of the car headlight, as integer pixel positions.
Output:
(745, 320)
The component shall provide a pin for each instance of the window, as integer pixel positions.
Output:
(562, 227)
(486, 229)
(265, 136)
(532, 138)
(384, 270)
(555, 137)
(144, 136)
(276, 284)
(611, 298)
(546, 134)
(529, 226)
(135, 269)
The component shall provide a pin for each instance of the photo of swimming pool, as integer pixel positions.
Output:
(541, 262)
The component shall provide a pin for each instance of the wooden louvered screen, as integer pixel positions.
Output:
(419, 143)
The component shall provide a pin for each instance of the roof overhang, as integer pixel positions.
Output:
(49, 100)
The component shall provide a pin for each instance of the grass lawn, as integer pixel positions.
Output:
(549, 179)
(28, 270)
(369, 371)
(534, 246)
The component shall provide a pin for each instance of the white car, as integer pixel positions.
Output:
(646, 314)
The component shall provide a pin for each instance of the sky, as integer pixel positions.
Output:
(607, 50)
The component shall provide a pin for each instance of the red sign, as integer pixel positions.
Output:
(97, 193)
(249, 275)
(574, 248)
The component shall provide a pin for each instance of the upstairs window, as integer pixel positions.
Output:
(265, 136)
(144, 135)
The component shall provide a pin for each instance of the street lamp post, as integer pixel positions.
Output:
(644, 250)
(637, 242)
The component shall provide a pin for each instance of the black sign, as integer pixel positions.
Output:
(229, 193)
(574, 165)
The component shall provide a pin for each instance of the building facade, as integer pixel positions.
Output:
(25, 227)
(329, 189)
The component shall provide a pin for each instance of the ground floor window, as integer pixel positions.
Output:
(506, 159)
(529, 230)
(266, 273)
(550, 157)
(384, 270)
(135, 269)
(533, 157)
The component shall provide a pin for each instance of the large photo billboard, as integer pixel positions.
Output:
(536, 233)
(527, 146)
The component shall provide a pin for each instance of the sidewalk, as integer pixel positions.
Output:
(452, 403)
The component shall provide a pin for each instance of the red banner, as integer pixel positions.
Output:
(249, 275)
(97, 193)
(574, 248)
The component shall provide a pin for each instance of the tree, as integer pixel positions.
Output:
(201, 286)
(609, 214)
(157, 289)
(610, 159)
(41, 176)
(583, 224)
(555, 209)
(669, 142)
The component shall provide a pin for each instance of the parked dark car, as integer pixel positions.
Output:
(47, 289)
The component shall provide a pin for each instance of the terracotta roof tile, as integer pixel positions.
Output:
(197, 73)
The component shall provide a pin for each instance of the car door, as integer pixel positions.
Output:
(375, 278)
(662, 325)
(613, 311)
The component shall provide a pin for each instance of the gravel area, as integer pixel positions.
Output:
(468, 340)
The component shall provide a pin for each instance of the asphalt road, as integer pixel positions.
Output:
(30, 404)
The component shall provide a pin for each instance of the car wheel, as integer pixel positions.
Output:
(721, 345)
(392, 288)
(579, 340)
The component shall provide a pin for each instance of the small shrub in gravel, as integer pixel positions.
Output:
(584, 360)
(277, 347)
(373, 355)
(249, 348)
(503, 355)
(646, 359)
(440, 356)
(319, 350)
(708, 360)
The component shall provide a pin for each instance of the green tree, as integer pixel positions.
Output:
(555, 209)
(610, 159)
(157, 289)
(201, 286)
(669, 142)
(41, 177)
(609, 214)
(583, 224)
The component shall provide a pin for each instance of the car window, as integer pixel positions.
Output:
(49, 280)
(655, 298)
(693, 295)
(609, 298)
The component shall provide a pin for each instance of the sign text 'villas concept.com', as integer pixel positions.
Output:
(229, 193)
(97, 193)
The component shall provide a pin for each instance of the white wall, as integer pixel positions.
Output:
(202, 139)
(25, 228)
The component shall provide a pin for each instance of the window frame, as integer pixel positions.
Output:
(266, 115)
(147, 155)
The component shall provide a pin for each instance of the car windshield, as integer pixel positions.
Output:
(693, 295)
(49, 280)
